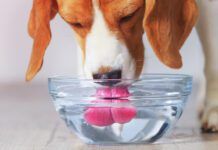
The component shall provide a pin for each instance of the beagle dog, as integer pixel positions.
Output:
(109, 34)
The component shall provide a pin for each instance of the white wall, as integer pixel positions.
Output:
(15, 44)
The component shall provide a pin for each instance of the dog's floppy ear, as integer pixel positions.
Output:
(39, 29)
(167, 24)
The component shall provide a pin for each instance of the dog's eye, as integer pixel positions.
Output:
(127, 18)
(77, 25)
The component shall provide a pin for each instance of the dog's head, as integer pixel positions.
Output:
(109, 32)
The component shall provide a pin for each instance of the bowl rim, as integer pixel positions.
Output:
(185, 80)
(150, 77)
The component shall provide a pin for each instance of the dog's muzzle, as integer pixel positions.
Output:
(109, 78)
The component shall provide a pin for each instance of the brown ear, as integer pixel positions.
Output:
(168, 23)
(39, 29)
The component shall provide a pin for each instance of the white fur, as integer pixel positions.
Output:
(103, 49)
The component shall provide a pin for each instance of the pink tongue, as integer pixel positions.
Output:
(115, 92)
(124, 114)
(99, 116)
(105, 116)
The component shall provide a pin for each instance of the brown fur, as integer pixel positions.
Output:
(39, 29)
(166, 22)
(78, 11)
(105, 69)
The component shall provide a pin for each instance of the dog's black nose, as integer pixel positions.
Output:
(110, 78)
(116, 74)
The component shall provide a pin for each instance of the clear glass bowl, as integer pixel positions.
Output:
(151, 109)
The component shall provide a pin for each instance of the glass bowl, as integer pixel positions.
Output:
(147, 109)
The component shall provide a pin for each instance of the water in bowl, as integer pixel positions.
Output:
(154, 104)
(148, 125)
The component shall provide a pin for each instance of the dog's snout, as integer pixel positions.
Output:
(116, 74)
(109, 79)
